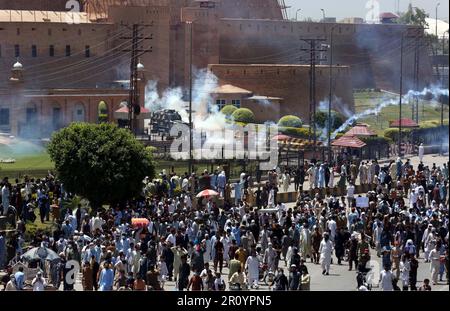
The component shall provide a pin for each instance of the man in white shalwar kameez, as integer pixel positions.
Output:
(325, 250)
(286, 181)
(134, 257)
(331, 182)
(311, 176)
(207, 253)
(252, 267)
(270, 257)
(421, 152)
(305, 242)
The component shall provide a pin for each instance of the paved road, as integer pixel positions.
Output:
(340, 279)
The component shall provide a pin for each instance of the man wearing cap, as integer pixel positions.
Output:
(325, 250)
(294, 278)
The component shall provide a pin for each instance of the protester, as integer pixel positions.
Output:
(405, 222)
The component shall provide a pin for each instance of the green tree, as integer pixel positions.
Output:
(100, 162)
(290, 121)
(243, 115)
(413, 16)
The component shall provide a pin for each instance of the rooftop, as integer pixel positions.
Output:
(360, 129)
(44, 17)
(230, 89)
(349, 141)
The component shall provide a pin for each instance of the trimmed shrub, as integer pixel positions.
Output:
(228, 110)
(244, 115)
(290, 121)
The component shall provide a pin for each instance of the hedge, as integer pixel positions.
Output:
(375, 140)
(392, 133)
(244, 115)
(290, 121)
(293, 131)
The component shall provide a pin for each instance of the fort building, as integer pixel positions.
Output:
(73, 61)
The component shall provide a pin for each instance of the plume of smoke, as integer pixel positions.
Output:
(206, 116)
(434, 91)
(16, 147)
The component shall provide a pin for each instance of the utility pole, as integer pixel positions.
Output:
(134, 108)
(415, 104)
(190, 24)
(312, 87)
(330, 95)
(400, 100)
(437, 43)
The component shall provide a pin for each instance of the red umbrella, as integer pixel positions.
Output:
(139, 222)
(207, 193)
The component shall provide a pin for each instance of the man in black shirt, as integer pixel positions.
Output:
(185, 270)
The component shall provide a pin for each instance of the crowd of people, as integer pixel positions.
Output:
(239, 241)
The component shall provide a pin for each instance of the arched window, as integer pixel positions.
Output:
(78, 114)
(103, 115)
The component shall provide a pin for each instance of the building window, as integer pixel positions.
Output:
(236, 103)
(51, 50)
(87, 51)
(4, 116)
(220, 103)
(33, 51)
(17, 50)
(67, 50)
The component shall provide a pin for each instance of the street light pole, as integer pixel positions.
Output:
(330, 95)
(323, 13)
(437, 6)
(296, 14)
(190, 99)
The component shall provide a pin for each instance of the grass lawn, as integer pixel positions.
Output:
(378, 123)
(30, 159)
(38, 165)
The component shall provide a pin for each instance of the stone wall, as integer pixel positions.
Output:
(372, 51)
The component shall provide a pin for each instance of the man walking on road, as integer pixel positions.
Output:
(325, 250)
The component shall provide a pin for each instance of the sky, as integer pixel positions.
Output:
(357, 8)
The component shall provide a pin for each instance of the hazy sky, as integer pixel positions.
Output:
(357, 8)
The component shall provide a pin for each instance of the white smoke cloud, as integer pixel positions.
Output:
(433, 91)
